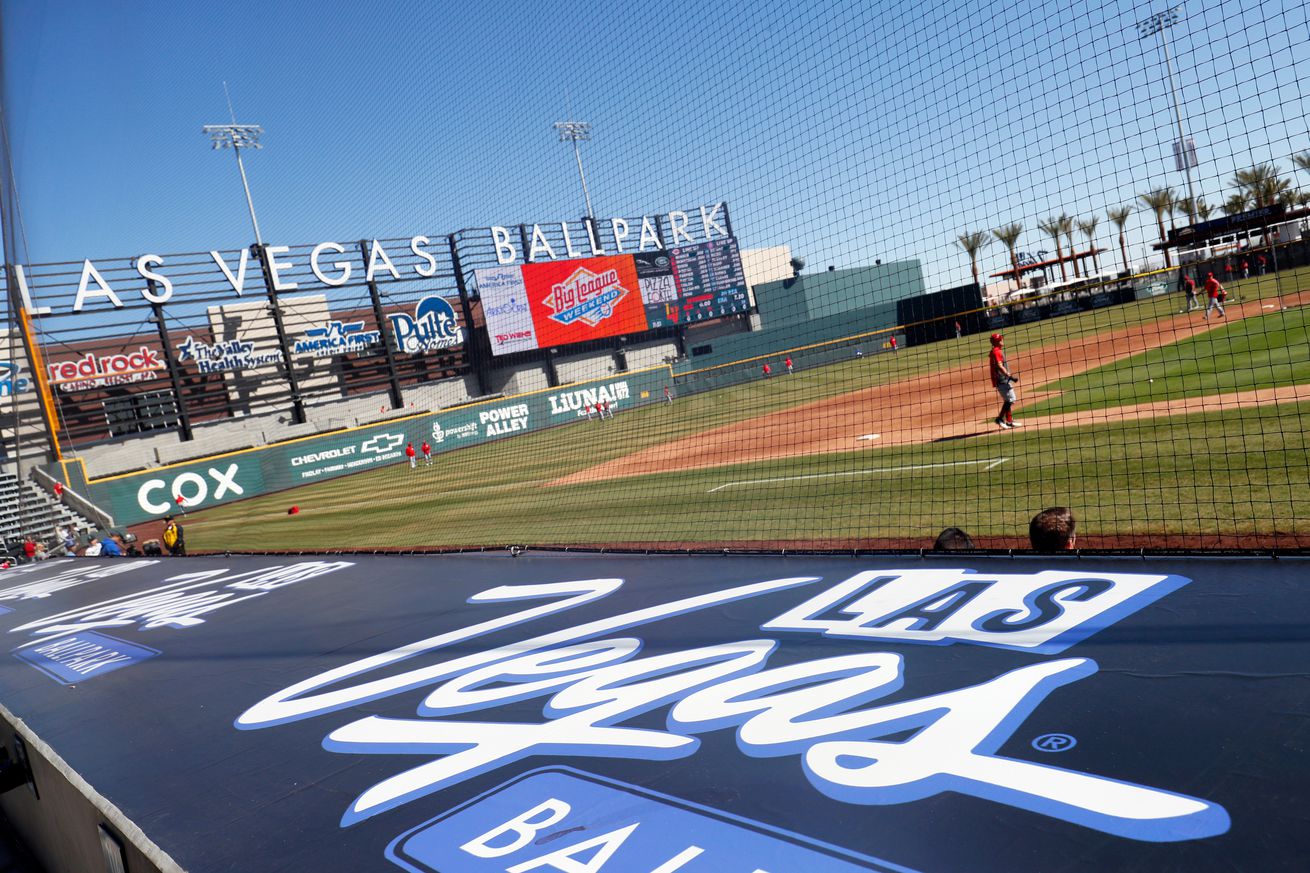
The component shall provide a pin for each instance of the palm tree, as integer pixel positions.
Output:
(1203, 210)
(1009, 236)
(1054, 228)
(973, 241)
(1263, 185)
(1302, 161)
(1119, 216)
(1236, 203)
(1088, 227)
(1159, 201)
(1066, 225)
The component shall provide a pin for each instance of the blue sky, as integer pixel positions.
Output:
(851, 131)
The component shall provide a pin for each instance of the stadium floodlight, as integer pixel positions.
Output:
(237, 137)
(1160, 23)
(574, 132)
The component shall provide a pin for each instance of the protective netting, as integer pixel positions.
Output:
(815, 251)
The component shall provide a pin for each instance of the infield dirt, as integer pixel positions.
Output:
(949, 404)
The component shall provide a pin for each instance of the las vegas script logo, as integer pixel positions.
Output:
(832, 713)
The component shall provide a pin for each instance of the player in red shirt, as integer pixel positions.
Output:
(1217, 293)
(1003, 381)
(788, 364)
(409, 453)
(767, 371)
(893, 344)
(427, 453)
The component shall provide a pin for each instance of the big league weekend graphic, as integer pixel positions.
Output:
(683, 714)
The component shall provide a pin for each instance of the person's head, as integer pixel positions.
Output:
(953, 540)
(1209, 275)
(168, 519)
(998, 340)
(1052, 530)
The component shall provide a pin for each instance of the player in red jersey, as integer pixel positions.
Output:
(427, 453)
(788, 365)
(1003, 381)
(409, 453)
(1216, 292)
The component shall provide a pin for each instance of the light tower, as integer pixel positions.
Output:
(574, 132)
(237, 137)
(1160, 23)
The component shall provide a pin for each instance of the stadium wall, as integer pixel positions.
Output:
(143, 495)
(750, 347)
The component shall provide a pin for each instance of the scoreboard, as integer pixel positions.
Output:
(552, 303)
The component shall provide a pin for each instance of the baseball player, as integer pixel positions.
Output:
(668, 397)
(767, 371)
(788, 364)
(1189, 288)
(1003, 381)
(409, 453)
(609, 413)
(1217, 295)
(427, 453)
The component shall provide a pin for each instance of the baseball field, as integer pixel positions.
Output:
(1159, 428)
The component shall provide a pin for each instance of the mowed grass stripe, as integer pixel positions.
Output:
(1264, 351)
(1192, 474)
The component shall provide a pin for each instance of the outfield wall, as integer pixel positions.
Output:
(143, 495)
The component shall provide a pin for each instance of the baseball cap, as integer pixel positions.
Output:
(996, 338)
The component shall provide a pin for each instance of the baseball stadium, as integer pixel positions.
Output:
(965, 336)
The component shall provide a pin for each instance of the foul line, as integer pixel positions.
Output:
(990, 462)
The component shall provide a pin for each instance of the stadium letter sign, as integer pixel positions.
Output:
(840, 716)
(681, 228)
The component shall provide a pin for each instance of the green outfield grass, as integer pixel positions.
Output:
(1265, 351)
(1198, 474)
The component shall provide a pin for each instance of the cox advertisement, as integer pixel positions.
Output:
(194, 485)
(565, 713)
(541, 305)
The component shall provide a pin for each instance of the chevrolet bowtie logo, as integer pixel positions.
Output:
(382, 443)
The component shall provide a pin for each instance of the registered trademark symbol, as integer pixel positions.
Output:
(1054, 743)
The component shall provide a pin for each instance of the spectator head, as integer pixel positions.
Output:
(167, 519)
(953, 540)
(1052, 530)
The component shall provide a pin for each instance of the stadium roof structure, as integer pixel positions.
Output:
(1050, 262)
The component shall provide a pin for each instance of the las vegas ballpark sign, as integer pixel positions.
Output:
(608, 713)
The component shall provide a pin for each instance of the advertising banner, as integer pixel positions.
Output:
(676, 714)
(541, 305)
(576, 301)
(92, 370)
(149, 494)
(505, 306)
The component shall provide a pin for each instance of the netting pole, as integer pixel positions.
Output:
(393, 378)
(174, 376)
(297, 402)
(472, 353)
